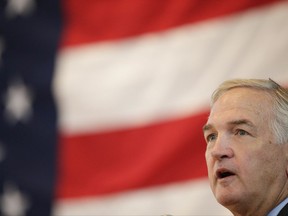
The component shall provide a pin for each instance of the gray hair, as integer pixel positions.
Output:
(278, 94)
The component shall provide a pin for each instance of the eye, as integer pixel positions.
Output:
(241, 132)
(211, 137)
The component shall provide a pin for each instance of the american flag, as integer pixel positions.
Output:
(102, 102)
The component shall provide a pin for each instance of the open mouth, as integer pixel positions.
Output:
(221, 174)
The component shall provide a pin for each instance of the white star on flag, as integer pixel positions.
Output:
(19, 7)
(13, 202)
(18, 103)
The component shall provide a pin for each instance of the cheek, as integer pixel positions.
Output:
(209, 164)
(206, 157)
(208, 160)
(263, 166)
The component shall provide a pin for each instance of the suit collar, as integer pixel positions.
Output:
(284, 211)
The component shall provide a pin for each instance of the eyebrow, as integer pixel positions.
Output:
(241, 122)
(207, 127)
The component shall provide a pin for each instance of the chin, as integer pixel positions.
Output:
(227, 199)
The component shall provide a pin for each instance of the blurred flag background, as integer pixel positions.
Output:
(102, 102)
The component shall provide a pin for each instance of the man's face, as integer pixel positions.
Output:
(245, 165)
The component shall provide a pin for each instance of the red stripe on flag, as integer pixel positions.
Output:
(93, 164)
(97, 20)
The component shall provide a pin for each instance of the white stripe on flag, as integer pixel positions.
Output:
(188, 198)
(159, 76)
(169, 74)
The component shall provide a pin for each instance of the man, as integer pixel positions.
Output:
(247, 147)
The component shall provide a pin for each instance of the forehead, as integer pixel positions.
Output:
(241, 103)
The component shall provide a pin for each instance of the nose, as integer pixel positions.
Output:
(222, 149)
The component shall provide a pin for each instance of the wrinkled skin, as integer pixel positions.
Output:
(240, 142)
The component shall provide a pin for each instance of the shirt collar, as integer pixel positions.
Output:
(278, 208)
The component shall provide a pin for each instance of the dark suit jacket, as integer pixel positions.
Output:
(284, 211)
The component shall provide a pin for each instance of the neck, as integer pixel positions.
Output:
(259, 210)
(254, 212)
(260, 207)
(249, 209)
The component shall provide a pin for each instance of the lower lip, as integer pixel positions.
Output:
(226, 179)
